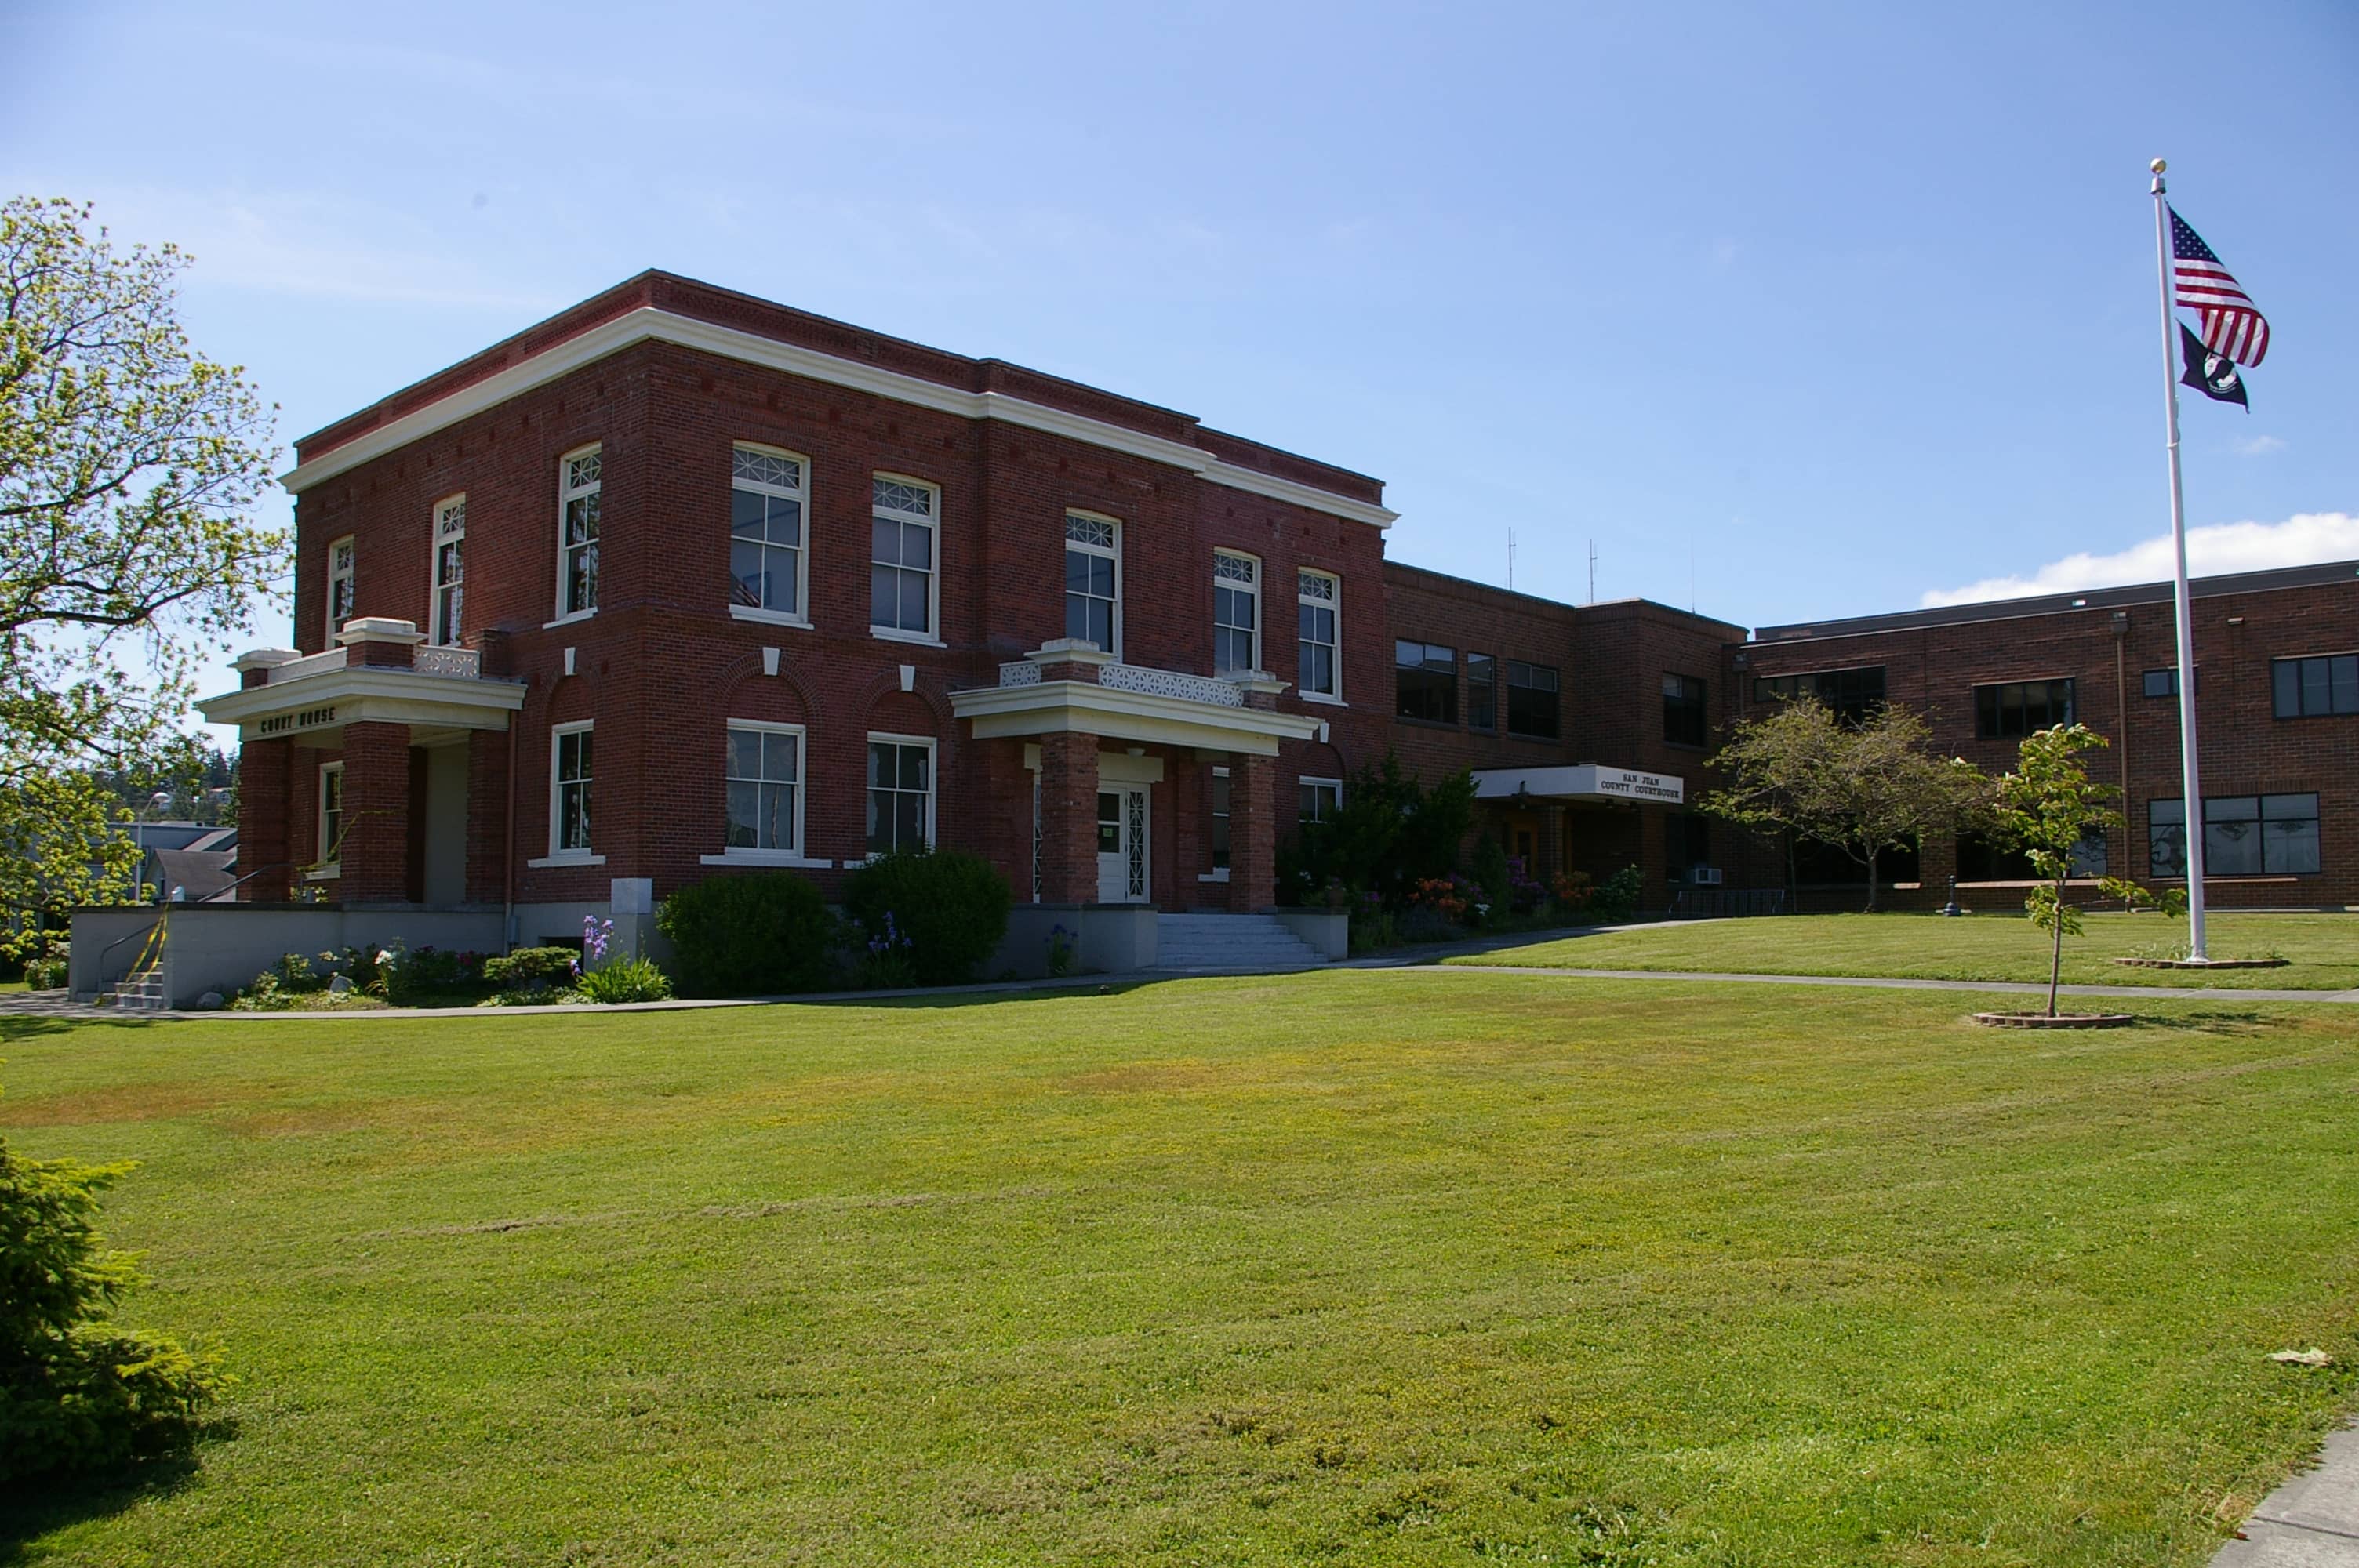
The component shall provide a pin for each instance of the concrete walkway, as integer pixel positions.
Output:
(2311, 1521)
(2014, 988)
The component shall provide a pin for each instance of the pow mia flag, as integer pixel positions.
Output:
(2214, 376)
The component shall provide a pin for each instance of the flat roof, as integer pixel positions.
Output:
(2275, 578)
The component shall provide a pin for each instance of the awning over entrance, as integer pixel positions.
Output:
(1586, 781)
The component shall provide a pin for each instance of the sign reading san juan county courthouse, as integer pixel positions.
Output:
(1635, 786)
(1586, 782)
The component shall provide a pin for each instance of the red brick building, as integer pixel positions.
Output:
(680, 580)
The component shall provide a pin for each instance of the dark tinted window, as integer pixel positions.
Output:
(2021, 708)
(1531, 700)
(1683, 710)
(2314, 687)
(1851, 695)
(1425, 678)
(1482, 691)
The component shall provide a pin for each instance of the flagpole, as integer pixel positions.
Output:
(2192, 787)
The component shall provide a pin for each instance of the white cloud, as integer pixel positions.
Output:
(2258, 446)
(2305, 539)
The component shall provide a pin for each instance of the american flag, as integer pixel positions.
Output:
(2233, 327)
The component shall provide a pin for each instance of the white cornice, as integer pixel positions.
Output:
(647, 323)
(1057, 707)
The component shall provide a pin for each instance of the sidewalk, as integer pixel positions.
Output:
(2013, 988)
(2311, 1521)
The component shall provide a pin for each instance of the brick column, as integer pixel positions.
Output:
(487, 808)
(265, 771)
(375, 861)
(1253, 834)
(1068, 818)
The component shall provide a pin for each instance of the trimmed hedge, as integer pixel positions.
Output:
(951, 909)
(749, 933)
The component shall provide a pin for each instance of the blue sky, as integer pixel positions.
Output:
(1794, 311)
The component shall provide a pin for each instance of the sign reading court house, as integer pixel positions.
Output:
(1586, 782)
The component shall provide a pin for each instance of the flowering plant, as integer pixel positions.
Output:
(595, 935)
(886, 965)
(1063, 946)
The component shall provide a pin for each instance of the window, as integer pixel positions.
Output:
(1425, 682)
(577, 531)
(1531, 700)
(901, 556)
(1683, 710)
(331, 812)
(2021, 708)
(766, 497)
(341, 578)
(1482, 692)
(568, 790)
(1236, 612)
(2243, 835)
(763, 784)
(1093, 581)
(1318, 596)
(443, 623)
(900, 793)
(1221, 820)
(1686, 843)
(1319, 799)
(2313, 687)
(2165, 683)
(1981, 859)
(1851, 695)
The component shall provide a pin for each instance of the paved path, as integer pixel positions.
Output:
(2311, 1521)
(2016, 987)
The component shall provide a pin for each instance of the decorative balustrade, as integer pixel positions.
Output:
(317, 663)
(1170, 683)
(1022, 672)
(460, 664)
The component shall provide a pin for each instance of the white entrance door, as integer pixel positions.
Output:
(1122, 844)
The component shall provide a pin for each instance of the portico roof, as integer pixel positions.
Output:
(1128, 703)
(1585, 781)
(313, 697)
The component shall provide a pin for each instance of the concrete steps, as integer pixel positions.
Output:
(1249, 942)
(142, 993)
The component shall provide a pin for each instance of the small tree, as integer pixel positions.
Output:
(1866, 789)
(1389, 833)
(2048, 806)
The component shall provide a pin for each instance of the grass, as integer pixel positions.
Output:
(1341, 1268)
(2324, 949)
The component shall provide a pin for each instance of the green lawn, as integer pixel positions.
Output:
(1345, 1268)
(2324, 948)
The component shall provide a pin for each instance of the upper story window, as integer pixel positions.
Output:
(1319, 598)
(1425, 681)
(1482, 691)
(342, 576)
(2021, 708)
(767, 559)
(1531, 700)
(578, 482)
(1683, 710)
(444, 620)
(1851, 695)
(900, 793)
(2165, 683)
(569, 789)
(763, 784)
(904, 517)
(2314, 687)
(1236, 612)
(1093, 581)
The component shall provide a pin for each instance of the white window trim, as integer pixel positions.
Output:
(351, 574)
(438, 634)
(738, 855)
(933, 784)
(931, 636)
(1261, 610)
(327, 870)
(1336, 604)
(800, 616)
(559, 856)
(1115, 554)
(1301, 779)
(565, 493)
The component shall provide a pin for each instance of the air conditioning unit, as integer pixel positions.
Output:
(1704, 876)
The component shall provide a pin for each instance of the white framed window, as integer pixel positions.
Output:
(904, 530)
(1093, 579)
(1236, 612)
(570, 771)
(1320, 798)
(343, 578)
(768, 503)
(331, 816)
(579, 477)
(444, 620)
(900, 793)
(1220, 834)
(1319, 610)
(763, 781)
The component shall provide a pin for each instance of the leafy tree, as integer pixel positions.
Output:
(1866, 789)
(77, 1393)
(1389, 833)
(2046, 805)
(128, 460)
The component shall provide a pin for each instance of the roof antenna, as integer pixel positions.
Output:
(1592, 571)
(1511, 560)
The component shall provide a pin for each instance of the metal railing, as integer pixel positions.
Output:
(1720, 903)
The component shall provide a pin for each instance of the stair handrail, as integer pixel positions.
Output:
(165, 909)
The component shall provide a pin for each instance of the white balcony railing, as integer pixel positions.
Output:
(459, 664)
(1170, 683)
(1022, 672)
